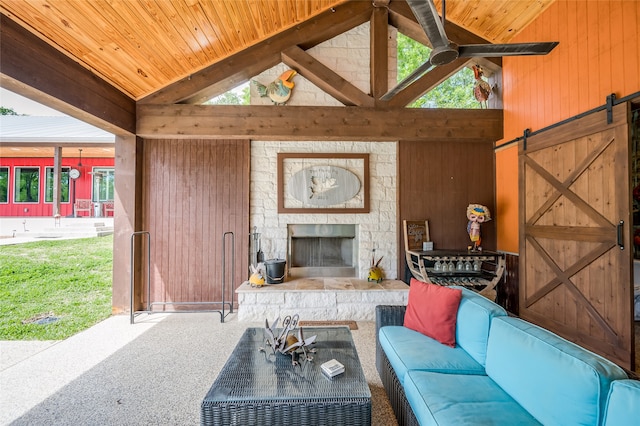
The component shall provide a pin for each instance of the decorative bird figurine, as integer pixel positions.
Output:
(279, 91)
(375, 272)
(481, 89)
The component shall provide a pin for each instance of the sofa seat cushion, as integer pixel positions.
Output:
(623, 404)
(407, 349)
(455, 399)
(565, 384)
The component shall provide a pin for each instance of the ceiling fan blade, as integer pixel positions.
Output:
(427, 16)
(407, 81)
(512, 49)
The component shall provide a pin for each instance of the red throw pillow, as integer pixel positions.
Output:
(432, 311)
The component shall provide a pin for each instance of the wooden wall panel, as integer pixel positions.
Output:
(194, 192)
(598, 54)
(437, 181)
(507, 293)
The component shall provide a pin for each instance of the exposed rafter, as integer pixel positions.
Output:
(379, 50)
(427, 82)
(326, 79)
(34, 69)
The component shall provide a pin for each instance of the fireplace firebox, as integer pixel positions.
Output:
(326, 250)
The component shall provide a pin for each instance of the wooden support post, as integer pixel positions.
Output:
(57, 172)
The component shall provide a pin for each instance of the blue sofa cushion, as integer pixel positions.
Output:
(473, 323)
(454, 399)
(407, 349)
(623, 404)
(555, 380)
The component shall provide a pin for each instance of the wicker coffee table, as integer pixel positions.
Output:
(258, 388)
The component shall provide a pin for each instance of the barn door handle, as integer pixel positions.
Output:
(620, 237)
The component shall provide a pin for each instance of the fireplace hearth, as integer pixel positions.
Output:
(326, 250)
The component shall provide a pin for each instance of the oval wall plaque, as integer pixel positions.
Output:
(324, 185)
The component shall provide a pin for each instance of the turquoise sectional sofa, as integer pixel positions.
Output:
(502, 370)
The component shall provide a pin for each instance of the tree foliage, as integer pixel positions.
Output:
(455, 92)
(7, 111)
(238, 96)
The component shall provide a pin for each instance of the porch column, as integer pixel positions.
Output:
(57, 172)
(127, 215)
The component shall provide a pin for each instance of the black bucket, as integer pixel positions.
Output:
(275, 270)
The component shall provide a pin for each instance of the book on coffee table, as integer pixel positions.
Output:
(332, 368)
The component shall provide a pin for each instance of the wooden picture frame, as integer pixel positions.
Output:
(295, 170)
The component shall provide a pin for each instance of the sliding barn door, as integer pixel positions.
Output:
(195, 191)
(575, 242)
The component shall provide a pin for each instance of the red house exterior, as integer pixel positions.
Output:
(88, 185)
(27, 149)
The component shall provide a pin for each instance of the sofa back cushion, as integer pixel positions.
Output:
(473, 322)
(557, 381)
(623, 404)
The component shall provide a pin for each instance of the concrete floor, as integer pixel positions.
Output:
(156, 371)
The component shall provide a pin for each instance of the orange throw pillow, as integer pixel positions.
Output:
(432, 311)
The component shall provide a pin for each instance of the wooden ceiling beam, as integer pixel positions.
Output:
(34, 69)
(239, 68)
(428, 81)
(379, 51)
(401, 17)
(295, 123)
(325, 78)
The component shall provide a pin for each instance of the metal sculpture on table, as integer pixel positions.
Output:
(285, 342)
(477, 215)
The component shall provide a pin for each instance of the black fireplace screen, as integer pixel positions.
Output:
(321, 252)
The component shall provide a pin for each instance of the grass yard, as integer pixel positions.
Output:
(67, 279)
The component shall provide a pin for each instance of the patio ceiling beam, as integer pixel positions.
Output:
(295, 123)
(32, 68)
(240, 67)
(325, 78)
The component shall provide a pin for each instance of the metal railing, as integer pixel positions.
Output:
(150, 304)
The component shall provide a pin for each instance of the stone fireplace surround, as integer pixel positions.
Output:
(327, 298)
(348, 56)
(376, 229)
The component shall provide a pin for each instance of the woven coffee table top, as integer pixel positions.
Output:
(252, 375)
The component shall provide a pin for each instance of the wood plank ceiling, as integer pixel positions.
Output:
(142, 46)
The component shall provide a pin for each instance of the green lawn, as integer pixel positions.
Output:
(66, 279)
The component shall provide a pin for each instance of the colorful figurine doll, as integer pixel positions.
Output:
(477, 215)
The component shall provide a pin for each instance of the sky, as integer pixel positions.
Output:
(22, 105)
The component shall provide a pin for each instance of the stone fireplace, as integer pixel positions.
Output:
(375, 230)
(322, 250)
(347, 55)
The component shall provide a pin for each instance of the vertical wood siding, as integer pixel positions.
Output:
(437, 182)
(194, 192)
(598, 54)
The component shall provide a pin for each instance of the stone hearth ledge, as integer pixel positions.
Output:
(319, 299)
